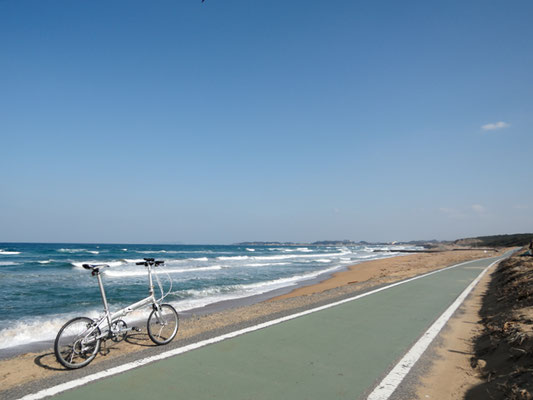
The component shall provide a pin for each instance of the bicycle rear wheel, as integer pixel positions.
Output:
(77, 343)
(163, 326)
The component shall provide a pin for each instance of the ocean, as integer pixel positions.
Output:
(42, 286)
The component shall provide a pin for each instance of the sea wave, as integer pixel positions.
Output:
(289, 256)
(108, 263)
(283, 256)
(8, 263)
(127, 274)
(45, 328)
(74, 251)
(231, 258)
(203, 297)
(262, 264)
(6, 252)
(300, 249)
(172, 261)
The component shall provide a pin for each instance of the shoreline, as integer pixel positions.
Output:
(211, 308)
(22, 369)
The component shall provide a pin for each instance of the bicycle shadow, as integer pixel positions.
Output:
(140, 339)
(48, 360)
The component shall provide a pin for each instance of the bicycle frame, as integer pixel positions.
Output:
(108, 317)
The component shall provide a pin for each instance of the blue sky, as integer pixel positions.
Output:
(225, 121)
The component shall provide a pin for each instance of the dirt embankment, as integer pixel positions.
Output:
(504, 350)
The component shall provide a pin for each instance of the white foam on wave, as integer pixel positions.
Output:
(45, 328)
(130, 273)
(250, 249)
(8, 263)
(230, 258)
(45, 261)
(109, 263)
(197, 259)
(185, 260)
(72, 250)
(150, 251)
(304, 249)
(6, 252)
(36, 329)
(262, 264)
(299, 249)
(346, 260)
(284, 256)
(289, 256)
(190, 251)
(204, 297)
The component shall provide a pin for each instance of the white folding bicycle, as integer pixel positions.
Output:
(78, 341)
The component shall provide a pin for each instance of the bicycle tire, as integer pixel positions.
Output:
(162, 332)
(69, 346)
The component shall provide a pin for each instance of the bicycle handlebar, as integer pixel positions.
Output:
(150, 261)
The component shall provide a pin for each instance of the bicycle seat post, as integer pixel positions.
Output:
(150, 280)
(104, 298)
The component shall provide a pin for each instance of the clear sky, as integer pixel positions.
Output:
(234, 120)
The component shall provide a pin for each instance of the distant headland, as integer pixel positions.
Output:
(517, 239)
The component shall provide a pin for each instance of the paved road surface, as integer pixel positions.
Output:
(341, 352)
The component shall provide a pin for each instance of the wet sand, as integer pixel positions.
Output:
(30, 367)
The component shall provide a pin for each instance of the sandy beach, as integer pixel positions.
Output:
(32, 367)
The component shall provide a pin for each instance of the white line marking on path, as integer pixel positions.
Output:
(138, 363)
(391, 382)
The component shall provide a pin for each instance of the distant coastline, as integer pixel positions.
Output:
(339, 243)
(509, 240)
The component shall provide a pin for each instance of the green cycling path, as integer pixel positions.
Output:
(340, 352)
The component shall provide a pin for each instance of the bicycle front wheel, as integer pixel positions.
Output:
(163, 325)
(77, 343)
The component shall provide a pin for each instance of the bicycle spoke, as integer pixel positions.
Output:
(160, 330)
